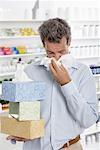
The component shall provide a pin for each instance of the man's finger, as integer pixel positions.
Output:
(62, 67)
(16, 138)
(9, 137)
(55, 66)
(53, 70)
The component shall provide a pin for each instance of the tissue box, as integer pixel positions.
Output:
(25, 110)
(23, 91)
(24, 129)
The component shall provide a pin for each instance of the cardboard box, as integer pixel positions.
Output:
(24, 129)
(23, 91)
(25, 110)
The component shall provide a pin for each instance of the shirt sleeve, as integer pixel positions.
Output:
(82, 101)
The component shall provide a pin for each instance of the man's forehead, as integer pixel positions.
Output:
(62, 41)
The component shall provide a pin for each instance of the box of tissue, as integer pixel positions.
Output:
(23, 91)
(25, 110)
(24, 129)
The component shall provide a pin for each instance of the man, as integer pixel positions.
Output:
(70, 105)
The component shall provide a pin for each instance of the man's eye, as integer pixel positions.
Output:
(50, 53)
(62, 52)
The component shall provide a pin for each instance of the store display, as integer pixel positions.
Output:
(17, 32)
(86, 31)
(12, 50)
(23, 91)
(85, 51)
(26, 129)
(18, 110)
(21, 49)
(95, 69)
(69, 13)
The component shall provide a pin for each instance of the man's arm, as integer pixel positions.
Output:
(82, 102)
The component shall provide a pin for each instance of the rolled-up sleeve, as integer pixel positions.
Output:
(82, 100)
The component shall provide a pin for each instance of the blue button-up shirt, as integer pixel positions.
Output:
(67, 110)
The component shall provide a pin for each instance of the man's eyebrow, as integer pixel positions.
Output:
(49, 51)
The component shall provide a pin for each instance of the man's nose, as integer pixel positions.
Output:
(57, 56)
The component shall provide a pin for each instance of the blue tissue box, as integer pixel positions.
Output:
(23, 91)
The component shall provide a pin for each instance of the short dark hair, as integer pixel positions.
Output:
(53, 30)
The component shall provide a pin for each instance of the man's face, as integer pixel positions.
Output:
(56, 50)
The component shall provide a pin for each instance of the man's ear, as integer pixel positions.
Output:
(69, 42)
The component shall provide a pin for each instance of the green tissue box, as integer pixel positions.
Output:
(25, 110)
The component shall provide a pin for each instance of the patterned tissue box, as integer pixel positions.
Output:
(25, 110)
(23, 91)
(25, 129)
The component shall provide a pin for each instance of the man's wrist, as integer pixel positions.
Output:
(66, 82)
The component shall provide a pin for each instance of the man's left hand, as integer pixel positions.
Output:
(60, 73)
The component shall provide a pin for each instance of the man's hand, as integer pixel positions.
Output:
(60, 73)
(16, 138)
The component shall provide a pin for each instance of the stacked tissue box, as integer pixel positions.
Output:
(23, 91)
(24, 108)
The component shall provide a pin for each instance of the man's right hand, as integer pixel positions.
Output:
(17, 138)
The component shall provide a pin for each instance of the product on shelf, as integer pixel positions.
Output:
(7, 51)
(17, 32)
(14, 50)
(86, 31)
(4, 104)
(21, 49)
(95, 69)
(1, 51)
(7, 66)
(85, 50)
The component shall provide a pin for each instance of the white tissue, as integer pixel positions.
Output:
(20, 75)
(46, 62)
(66, 60)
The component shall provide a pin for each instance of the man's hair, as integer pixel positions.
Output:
(53, 30)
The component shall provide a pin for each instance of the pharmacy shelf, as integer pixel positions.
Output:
(18, 37)
(96, 75)
(89, 57)
(38, 20)
(22, 55)
(7, 74)
(82, 21)
(4, 112)
(86, 38)
(37, 36)
(23, 20)
(98, 93)
(92, 130)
